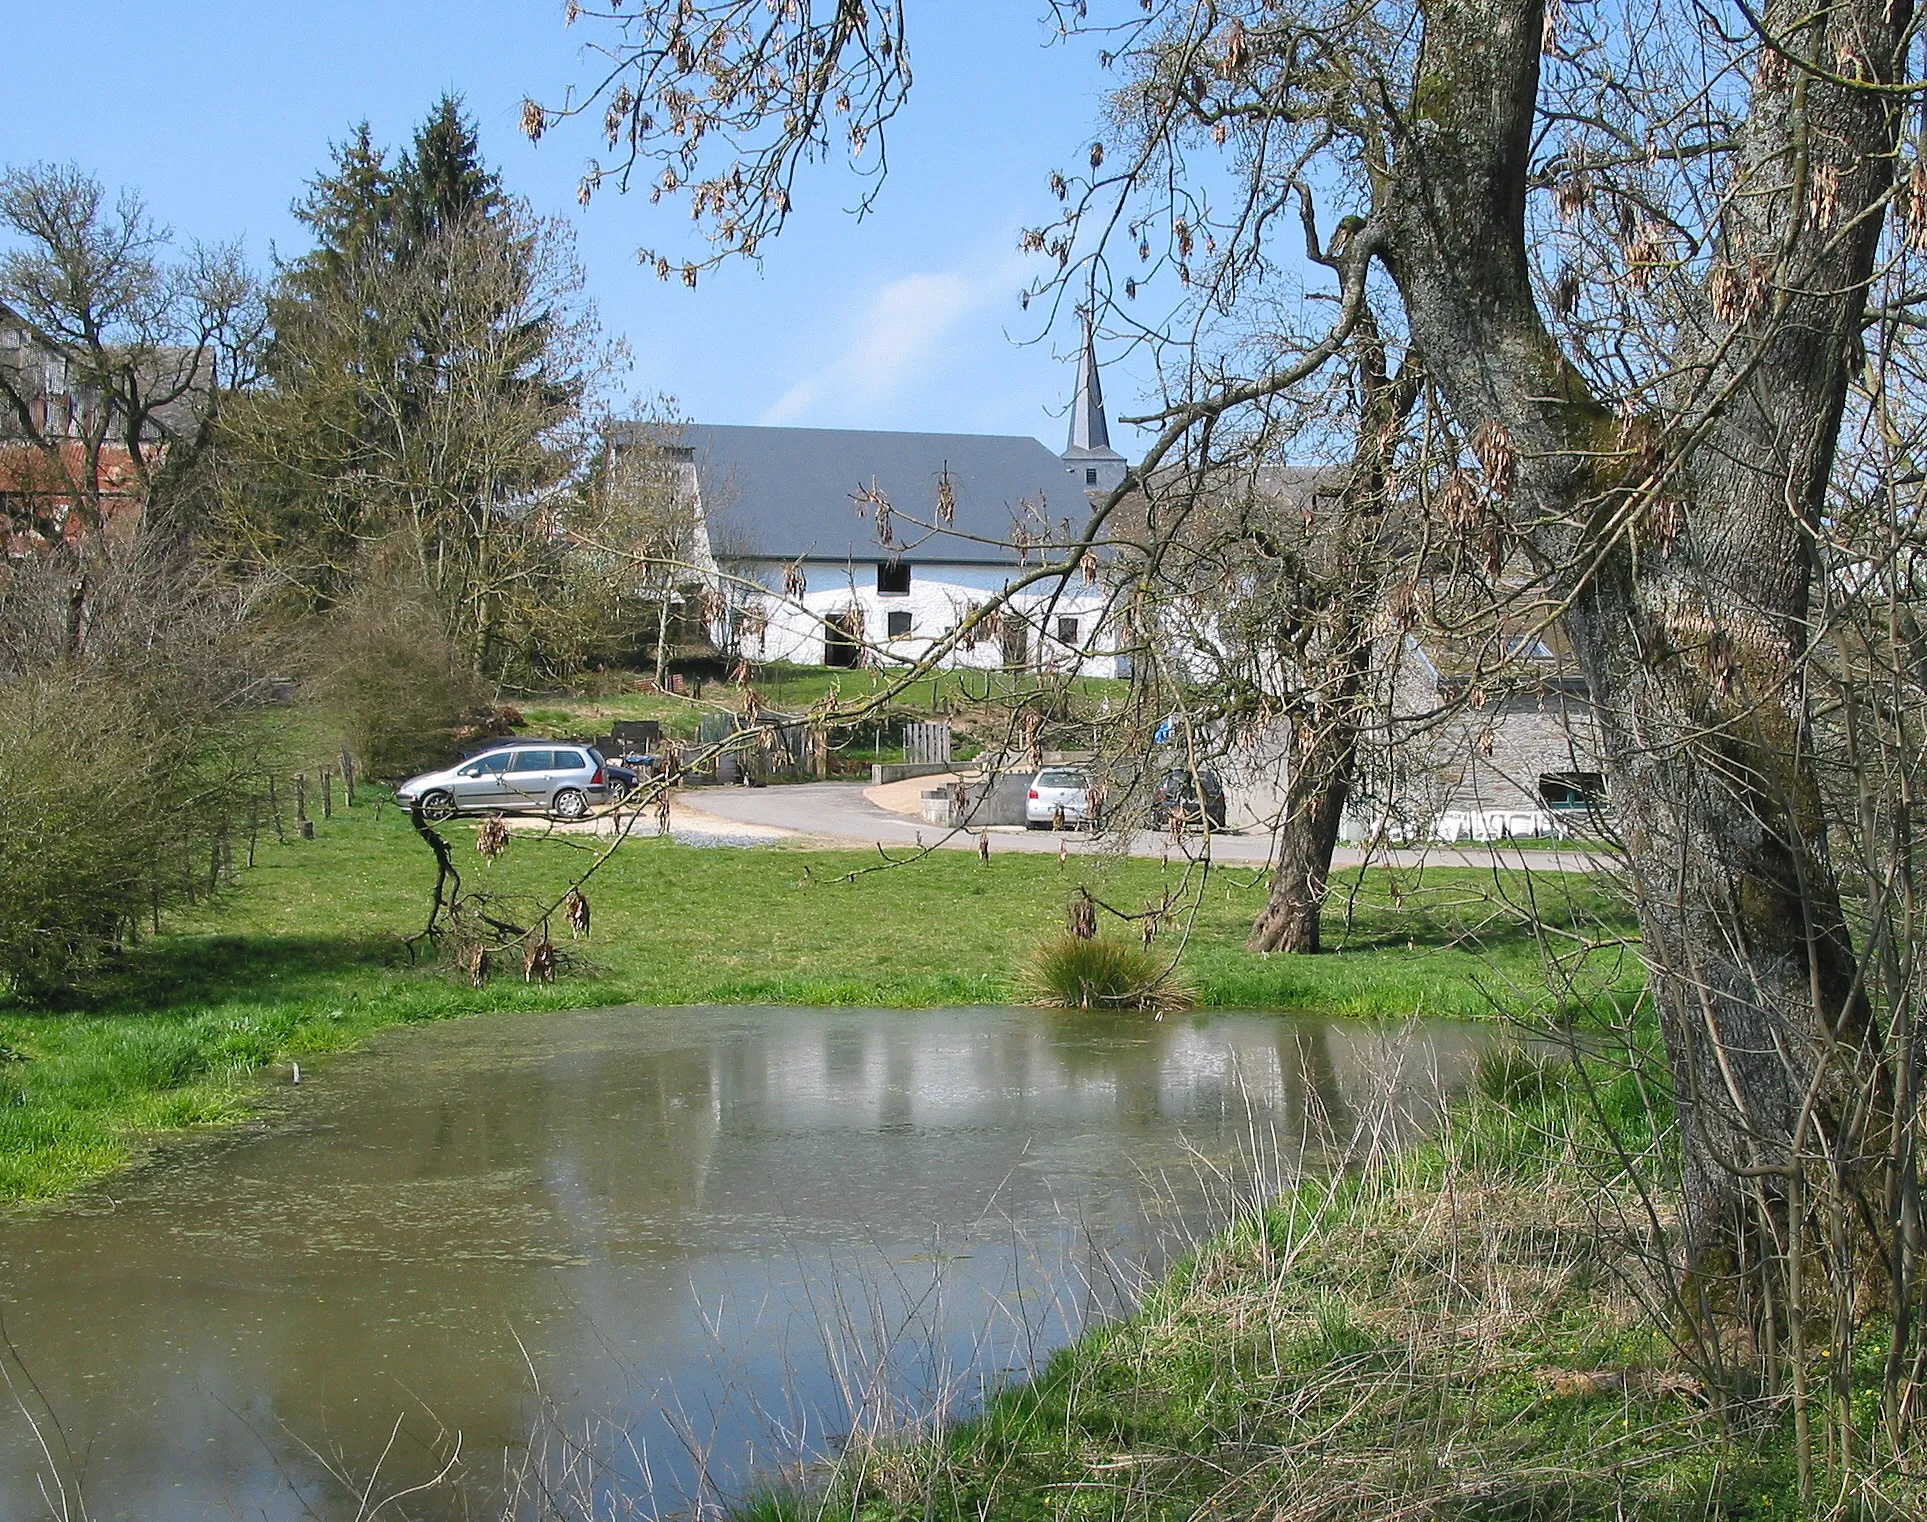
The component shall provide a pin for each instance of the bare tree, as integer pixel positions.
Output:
(1660, 456)
(120, 352)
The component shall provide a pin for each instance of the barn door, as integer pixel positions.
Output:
(843, 638)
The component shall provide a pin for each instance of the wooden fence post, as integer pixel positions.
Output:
(347, 777)
(301, 802)
(327, 792)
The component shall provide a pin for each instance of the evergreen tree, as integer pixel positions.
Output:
(427, 376)
(352, 212)
(442, 179)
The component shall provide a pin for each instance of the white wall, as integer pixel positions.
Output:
(938, 600)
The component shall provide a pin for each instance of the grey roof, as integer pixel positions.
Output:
(785, 493)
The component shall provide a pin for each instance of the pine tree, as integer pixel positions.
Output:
(442, 179)
(353, 212)
(425, 382)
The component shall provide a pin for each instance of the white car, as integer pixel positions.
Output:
(1056, 788)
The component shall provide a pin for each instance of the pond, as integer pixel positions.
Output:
(644, 1254)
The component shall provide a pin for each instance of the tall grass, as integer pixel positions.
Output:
(1456, 1329)
(1069, 972)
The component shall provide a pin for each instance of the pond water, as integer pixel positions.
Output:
(640, 1255)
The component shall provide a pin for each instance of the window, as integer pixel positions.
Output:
(898, 625)
(1572, 790)
(893, 579)
(531, 761)
(1067, 631)
(1090, 475)
(1015, 640)
(482, 766)
(569, 761)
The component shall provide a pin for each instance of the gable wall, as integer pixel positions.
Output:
(937, 602)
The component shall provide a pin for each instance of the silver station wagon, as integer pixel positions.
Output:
(515, 777)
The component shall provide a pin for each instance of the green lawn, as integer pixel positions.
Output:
(305, 954)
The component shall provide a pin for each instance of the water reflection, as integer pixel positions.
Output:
(723, 1234)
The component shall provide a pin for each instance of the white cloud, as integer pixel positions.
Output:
(900, 328)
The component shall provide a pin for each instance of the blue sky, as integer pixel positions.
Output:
(219, 111)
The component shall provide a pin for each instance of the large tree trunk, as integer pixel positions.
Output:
(1325, 737)
(1316, 791)
(1690, 639)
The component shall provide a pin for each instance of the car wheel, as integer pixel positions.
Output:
(437, 805)
(619, 792)
(569, 804)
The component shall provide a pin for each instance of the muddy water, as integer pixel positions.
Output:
(649, 1253)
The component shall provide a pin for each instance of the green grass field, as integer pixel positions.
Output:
(306, 954)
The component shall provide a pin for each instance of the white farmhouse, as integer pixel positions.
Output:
(839, 547)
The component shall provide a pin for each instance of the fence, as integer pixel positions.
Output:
(926, 743)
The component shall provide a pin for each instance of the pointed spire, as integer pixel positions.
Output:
(1090, 433)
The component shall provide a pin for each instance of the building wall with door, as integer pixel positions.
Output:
(899, 620)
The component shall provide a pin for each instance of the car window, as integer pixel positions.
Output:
(531, 761)
(1061, 779)
(483, 765)
(569, 761)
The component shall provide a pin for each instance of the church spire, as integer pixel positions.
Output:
(1092, 462)
(1090, 433)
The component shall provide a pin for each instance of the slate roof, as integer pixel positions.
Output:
(785, 493)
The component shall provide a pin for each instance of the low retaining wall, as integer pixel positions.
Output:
(987, 801)
(896, 771)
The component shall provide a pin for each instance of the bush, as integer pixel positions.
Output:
(403, 695)
(106, 811)
(1068, 972)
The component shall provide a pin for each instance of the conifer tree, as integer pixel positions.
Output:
(428, 379)
(442, 179)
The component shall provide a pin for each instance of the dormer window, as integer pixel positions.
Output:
(1090, 475)
(893, 578)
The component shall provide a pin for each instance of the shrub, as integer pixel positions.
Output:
(394, 681)
(1067, 972)
(107, 806)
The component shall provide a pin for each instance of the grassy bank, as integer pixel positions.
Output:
(1451, 1334)
(304, 955)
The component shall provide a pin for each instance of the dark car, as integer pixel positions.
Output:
(629, 772)
(1178, 798)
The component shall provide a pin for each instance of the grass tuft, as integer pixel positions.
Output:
(1067, 972)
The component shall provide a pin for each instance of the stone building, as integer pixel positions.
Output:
(1482, 748)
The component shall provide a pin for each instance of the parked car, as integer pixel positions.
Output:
(515, 777)
(1055, 788)
(1179, 796)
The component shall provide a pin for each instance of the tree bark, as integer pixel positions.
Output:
(1326, 732)
(1316, 792)
(1691, 644)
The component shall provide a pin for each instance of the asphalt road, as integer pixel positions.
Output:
(837, 812)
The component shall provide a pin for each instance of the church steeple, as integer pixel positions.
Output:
(1088, 454)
